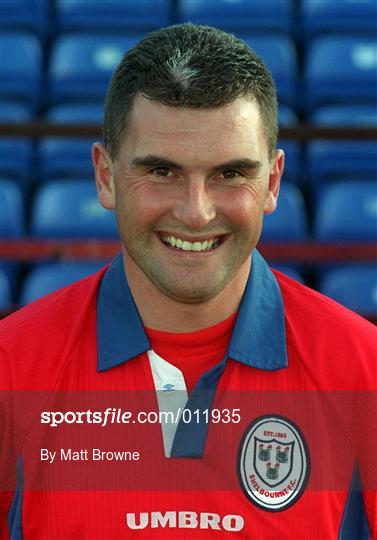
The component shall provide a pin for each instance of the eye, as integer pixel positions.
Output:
(161, 171)
(230, 174)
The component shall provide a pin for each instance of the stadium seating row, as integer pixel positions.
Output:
(315, 16)
(310, 166)
(337, 69)
(344, 211)
(355, 286)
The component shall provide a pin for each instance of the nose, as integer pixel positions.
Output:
(195, 207)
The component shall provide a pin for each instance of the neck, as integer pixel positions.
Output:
(160, 312)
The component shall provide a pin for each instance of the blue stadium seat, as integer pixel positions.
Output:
(289, 221)
(342, 17)
(236, 15)
(11, 227)
(341, 70)
(61, 157)
(340, 160)
(70, 209)
(292, 167)
(5, 292)
(20, 68)
(16, 160)
(14, 111)
(31, 15)
(292, 149)
(345, 115)
(112, 15)
(11, 210)
(354, 286)
(65, 158)
(280, 55)
(46, 278)
(81, 65)
(347, 211)
(16, 154)
(287, 116)
(76, 113)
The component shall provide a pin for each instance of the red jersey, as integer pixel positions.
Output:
(102, 438)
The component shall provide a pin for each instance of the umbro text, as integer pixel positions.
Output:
(185, 520)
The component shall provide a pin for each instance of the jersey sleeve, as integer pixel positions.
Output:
(367, 456)
(7, 446)
(365, 420)
(370, 504)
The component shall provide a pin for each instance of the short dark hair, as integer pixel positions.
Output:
(190, 66)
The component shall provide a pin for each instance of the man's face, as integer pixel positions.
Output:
(190, 188)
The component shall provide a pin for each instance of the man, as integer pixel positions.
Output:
(263, 384)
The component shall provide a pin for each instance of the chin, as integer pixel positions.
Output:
(191, 295)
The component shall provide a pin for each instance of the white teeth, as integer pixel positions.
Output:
(207, 245)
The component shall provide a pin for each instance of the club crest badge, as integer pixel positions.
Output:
(273, 463)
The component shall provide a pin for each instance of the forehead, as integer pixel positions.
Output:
(156, 128)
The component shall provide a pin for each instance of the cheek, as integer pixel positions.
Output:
(244, 207)
(138, 208)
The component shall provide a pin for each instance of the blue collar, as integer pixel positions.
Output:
(258, 338)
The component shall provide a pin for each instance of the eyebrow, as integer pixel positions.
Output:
(155, 161)
(243, 164)
(160, 161)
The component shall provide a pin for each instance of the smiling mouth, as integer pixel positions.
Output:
(183, 245)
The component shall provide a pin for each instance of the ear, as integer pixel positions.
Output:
(104, 173)
(276, 172)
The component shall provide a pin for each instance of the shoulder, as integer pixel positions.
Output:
(329, 338)
(38, 333)
(51, 312)
(303, 304)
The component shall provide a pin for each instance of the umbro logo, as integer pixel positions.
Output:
(168, 387)
(185, 520)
